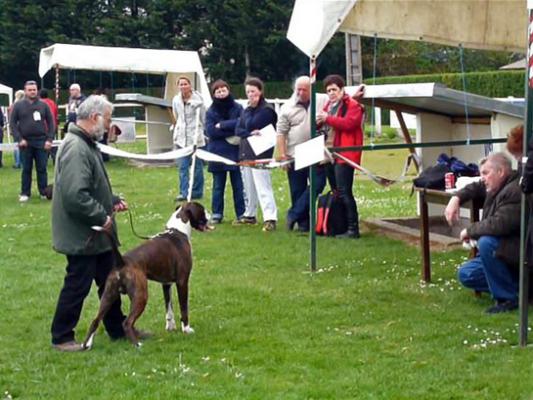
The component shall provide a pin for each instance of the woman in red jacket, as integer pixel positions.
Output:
(344, 117)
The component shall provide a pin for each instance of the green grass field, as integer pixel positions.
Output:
(362, 327)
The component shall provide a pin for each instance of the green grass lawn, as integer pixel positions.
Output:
(362, 327)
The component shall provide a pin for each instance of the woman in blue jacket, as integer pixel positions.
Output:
(257, 182)
(221, 119)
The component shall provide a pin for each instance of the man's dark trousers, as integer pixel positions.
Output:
(81, 270)
(27, 155)
(1, 141)
(299, 188)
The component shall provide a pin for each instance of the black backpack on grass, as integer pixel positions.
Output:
(331, 215)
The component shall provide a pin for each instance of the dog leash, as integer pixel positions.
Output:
(133, 228)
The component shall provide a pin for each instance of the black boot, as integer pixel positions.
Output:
(349, 234)
(353, 225)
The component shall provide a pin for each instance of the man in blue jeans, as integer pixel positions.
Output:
(293, 128)
(33, 128)
(1, 133)
(497, 236)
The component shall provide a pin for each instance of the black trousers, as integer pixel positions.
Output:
(340, 178)
(1, 141)
(81, 271)
(27, 155)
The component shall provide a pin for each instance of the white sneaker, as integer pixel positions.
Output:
(23, 198)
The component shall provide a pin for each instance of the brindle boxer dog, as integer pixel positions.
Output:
(165, 258)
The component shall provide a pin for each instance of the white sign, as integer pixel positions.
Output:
(309, 153)
(264, 141)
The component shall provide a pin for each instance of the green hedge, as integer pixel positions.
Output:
(273, 90)
(490, 84)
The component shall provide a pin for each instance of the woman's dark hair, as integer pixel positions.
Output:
(515, 139)
(333, 80)
(218, 84)
(252, 81)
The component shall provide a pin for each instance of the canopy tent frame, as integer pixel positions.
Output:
(121, 59)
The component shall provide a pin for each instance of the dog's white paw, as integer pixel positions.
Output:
(170, 325)
(187, 329)
(89, 342)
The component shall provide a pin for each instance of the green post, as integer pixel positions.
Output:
(524, 270)
(312, 170)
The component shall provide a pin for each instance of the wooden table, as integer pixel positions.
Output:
(427, 196)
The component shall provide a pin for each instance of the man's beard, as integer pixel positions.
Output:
(99, 131)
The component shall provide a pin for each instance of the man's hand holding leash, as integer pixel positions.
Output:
(119, 206)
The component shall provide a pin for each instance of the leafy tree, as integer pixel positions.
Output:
(235, 38)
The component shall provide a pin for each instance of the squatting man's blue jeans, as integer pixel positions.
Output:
(486, 273)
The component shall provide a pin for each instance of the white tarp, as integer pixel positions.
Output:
(8, 91)
(314, 22)
(480, 24)
(122, 59)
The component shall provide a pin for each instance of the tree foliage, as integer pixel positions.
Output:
(235, 38)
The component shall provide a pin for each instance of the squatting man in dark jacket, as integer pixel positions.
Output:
(82, 198)
(495, 269)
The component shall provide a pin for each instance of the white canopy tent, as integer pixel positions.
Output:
(7, 91)
(97, 58)
(479, 24)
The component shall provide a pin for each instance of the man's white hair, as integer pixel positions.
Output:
(75, 86)
(294, 96)
(499, 161)
(94, 104)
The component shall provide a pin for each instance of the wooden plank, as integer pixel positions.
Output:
(407, 138)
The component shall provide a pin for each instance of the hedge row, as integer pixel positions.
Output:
(273, 90)
(490, 84)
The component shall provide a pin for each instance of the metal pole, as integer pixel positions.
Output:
(449, 143)
(193, 157)
(56, 92)
(312, 170)
(524, 270)
(57, 85)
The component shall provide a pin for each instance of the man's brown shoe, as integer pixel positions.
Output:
(68, 346)
(142, 335)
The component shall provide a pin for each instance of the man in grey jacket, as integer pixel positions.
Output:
(495, 269)
(82, 198)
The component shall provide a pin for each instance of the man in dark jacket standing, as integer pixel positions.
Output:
(1, 134)
(83, 198)
(33, 128)
(495, 269)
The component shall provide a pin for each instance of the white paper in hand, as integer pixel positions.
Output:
(266, 140)
(309, 153)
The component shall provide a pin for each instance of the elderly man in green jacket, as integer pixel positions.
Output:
(496, 236)
(82, 198)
